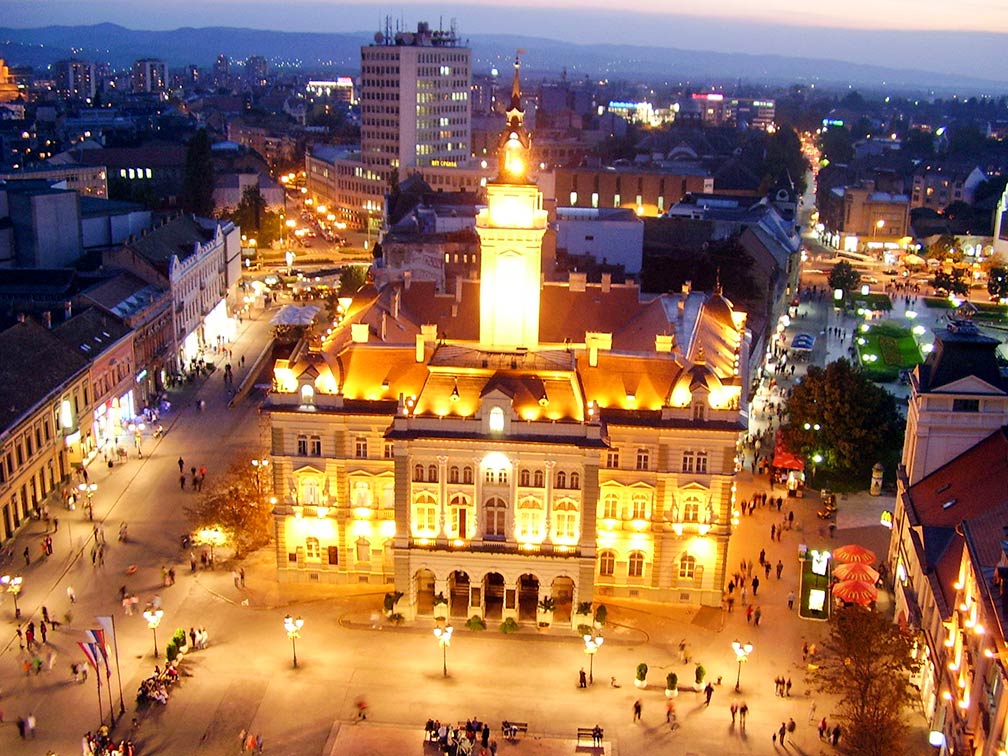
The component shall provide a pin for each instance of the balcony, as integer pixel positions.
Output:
(496, 547)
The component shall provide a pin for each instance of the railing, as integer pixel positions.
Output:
(497, 547)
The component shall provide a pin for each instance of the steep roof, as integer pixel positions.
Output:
(91, 332)
(176, 238)
(957, 356)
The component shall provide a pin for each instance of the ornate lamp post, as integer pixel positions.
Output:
(260, 466)
(742, 651)
(293, 627)
(88, 489)
(443, 633)
(211, 537)
(12, 584)
(153, 617)
(593, 642)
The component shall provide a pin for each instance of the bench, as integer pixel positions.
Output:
(510, 729)
(588, 733)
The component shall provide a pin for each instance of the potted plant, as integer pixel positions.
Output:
(640, 679)
(584, 630)
(547, 605)
(509, 626)
(476, 623)
(600, 615)
(396, 618)
(583, 608)
(701, 673)
(180, 639)
(440, 606)
(671, 685)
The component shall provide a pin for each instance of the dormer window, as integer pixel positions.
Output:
(496, 420)
(308, 394)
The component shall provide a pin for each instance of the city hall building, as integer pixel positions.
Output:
(514, 439)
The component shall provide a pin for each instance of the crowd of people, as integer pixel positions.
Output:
(155, 688)
(469, 738)
(102, 744)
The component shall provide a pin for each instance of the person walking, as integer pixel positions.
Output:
(259, 742)
(781, 732)
(790, 601)
(71, 594)
(181, 465)
(582, 679)
(241, 738)
(241, 576)
(780, 568)
(636, 710)
(743, 712)
(791, 727)
(756, 616)
(734, 712)
(835, 735)
(822, 728)
(708, 692)
(787, 686)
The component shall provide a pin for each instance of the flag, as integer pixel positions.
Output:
(108, 626)
(91, 653)
(97, 639)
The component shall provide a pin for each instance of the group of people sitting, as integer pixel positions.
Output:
(101, 744)
(471, 738)
(155, 687)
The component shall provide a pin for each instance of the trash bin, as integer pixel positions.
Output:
(876, 479)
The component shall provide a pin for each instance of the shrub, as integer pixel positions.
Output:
(509, 626)
(701, 673)
(440, 599)
(584, 630)
(179, 637)
(476, 623)
(584, 607)
(547, 604)
(671, 681)
(601, 613)
(641, 671)
(390, 600)
(171, 650)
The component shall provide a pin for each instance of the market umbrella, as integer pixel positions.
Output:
(855, 591)
(854, 553)
(855, 571)
(913, 259)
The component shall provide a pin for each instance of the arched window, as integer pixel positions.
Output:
(635, 567)
(363, 550)
(307, 394)
(524, 477)
(691, 510)
(687, 567)
(565, 521)
(607, 563)
(432, 475)
(639, 502)
(418, 473)
(425, 513)
(496, 420)
(496, 514)
(453, 474)
(561, 479)
(610, 506)
(467, 474)
(461, 520)
(530, 518)
(312, 550)
(539, 479)
(575, 480)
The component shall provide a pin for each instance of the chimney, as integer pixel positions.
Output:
(407, 277)
(395, 304)
(47, 319)
(606, 282)
(384, 325)
(578, 281)
(687, 287)
(419, 347)
(68, 309)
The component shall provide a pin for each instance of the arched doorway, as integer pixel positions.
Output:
(458, 589)
(493, 591)
(528, 597)
(423, 584)
(563, 595)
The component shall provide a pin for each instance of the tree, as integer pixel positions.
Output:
(237, 503)
(866, 661)
(843, 276)
(997, 282)
(918, 143)
(858, 423)
(351, 279)
(945, 247)
(254, 219)
(784, 156)
(836, 145)
(198, 185)
(954, 282)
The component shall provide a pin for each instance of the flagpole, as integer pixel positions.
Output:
(115, 646)
(108, 679)
(101, 714)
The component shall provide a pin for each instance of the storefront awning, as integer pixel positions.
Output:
(784, 458)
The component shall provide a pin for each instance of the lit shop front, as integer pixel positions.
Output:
(216, 330)
(112, 419)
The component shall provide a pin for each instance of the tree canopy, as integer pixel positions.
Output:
(254, 219)
(836, 144)
(237, 503)
(843, 276)
(858, 421)
(953, 282)
(198, 185)
(866, 662)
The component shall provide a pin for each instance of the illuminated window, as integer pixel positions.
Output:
(453, 474)
(612, 459)
(530, 518)
(539, 479)
(418, 473)
(594, 202)
(639, 504)
(388, 449)
(425, 516)
(565, 521)
(496, 420)
(308, 394)
(489, 476)
(360, 447)
(687, 567)
(635, 567)
(496, 514)
(643, 459)
(363, 550)
(432, 474)
(362, 495)
(312, 549)
(460, 521)
(607, 563)
(561, 479)
(302, 446)
(467, 475)
(701, 462)
(691, 510)
(688, 462)
(575, 480)
(610, 506)
(524, 477)
(311, 491)
(573, 199)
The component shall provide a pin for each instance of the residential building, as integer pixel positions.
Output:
(646, 190)
(611, 236)
(340, 89)
(199, 262)
(148, 75)
(579, 446)
(75, 79)
(86, 180)
(868, 218)
(43, 228)
(9, 91)
(45, 408)
(938, 185)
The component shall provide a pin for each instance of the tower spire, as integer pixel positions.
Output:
(516, 86)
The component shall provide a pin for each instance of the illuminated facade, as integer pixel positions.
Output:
(513, 440)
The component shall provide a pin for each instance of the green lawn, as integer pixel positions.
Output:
(879, 302)
(889, 349)
(985, 310)
(809, 581)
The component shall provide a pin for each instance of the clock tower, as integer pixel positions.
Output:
(511, 230)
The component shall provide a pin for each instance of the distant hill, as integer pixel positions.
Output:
(119, 46)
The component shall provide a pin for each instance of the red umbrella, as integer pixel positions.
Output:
(855, 591)
(854, 553)
(855, 571)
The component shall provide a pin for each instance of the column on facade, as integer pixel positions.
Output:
(548, 504)
(478, 498)
(442, 461)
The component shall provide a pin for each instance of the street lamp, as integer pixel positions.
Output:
(293, 627)
(593, 642)
(742, 651)
(153, 617)
(211, 537)
(443, 633)
(88, 489)
(260, 466)
(12, 584)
